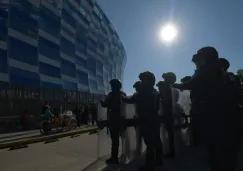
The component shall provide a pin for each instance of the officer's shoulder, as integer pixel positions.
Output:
(155, 92)
(135, 94)
(123, 93)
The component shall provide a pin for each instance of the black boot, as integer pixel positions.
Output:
(159, 156)
(170, 156)
(112, 161)
(159, 163)
(146, 168)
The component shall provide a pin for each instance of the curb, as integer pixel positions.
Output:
(18, 134)
(45, 138)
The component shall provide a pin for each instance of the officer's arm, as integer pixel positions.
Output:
(129, 100)
(195, 79)
(183, 86)
(106, 101)
(158, 102)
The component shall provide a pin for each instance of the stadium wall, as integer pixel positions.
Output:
(61, 51)
(61, 44)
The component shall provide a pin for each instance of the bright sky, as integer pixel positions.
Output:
(200, 23)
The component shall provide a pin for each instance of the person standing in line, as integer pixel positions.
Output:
(147, 105)
(167, 103)
(211, 110)
(113, 103)
(137, 86)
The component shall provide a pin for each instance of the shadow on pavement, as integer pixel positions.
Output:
(131, 166)
(190, 159)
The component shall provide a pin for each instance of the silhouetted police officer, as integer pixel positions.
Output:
(232, 83)
(196, 138)
(210, 109)
(137, 86)
(166, 100)
(224, 64)
(235, 96)
(147, 103)
(113, 104)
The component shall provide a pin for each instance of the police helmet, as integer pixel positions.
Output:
(224, 63)
(161, 84)
(116, 83)
(137, 84)
(207, 53)
(147, 77)
(169, 77)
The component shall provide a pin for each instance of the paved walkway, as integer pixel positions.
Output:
(26, 134)
(190, 160)
(68, 154)
(16, 134)
(74, 154)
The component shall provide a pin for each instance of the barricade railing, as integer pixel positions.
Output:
(15, 98)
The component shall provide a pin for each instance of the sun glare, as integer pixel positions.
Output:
(168, 33)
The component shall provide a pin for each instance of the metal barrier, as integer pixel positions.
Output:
(14, 99)
(130, 140)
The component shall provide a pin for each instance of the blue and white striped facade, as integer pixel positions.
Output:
(67, 44)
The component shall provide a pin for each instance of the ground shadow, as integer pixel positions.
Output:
(131, 166)
(190, 159)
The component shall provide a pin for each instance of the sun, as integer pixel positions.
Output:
(168, 33)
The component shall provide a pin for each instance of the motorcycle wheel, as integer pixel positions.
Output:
(45, 127)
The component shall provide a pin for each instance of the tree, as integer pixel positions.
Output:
(240, 74)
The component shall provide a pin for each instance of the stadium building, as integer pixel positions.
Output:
(65, 44)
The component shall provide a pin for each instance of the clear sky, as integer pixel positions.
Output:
(217, 23)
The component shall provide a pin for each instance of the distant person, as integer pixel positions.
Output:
(25, 120)
(45, 106)
(47, 112)
(94, 114)
(86, 115)
(78, 113)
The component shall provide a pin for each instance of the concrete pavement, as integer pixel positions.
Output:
(74, 154)
(189, 160)
(28, 134)
(68, 154)
(18, 134)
